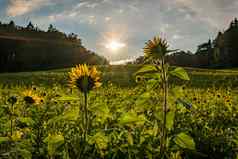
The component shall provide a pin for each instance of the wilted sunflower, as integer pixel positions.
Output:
(83, 78)
(31, 98)
(156, 48)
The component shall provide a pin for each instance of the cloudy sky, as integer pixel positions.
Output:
(118, 29)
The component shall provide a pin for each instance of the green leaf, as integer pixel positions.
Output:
(100, 139)
(25, 153)
(155, 76)
(175, 155)
(26, 120)
(170, 120)
(102, 113)
(180, 73)
(177, 91)
(131, 118)
(184, 141)
(68, 98)
(54, 142)
(147, 69)
(4, 139)
(130, 138)
(152, 83)
(145, 95)
(70, 115)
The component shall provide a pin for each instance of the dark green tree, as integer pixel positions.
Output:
(51, 28)
(30, 26)
(11, 24)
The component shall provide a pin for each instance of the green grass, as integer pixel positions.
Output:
(122, 76)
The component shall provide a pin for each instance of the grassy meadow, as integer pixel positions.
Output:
(124, 116)
(121, 76)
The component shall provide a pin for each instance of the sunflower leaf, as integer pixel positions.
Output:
(131, 117)
(184, 141)
(147, 69)
(3, 139)
(68, 98)
(180, 73)
(54, 142)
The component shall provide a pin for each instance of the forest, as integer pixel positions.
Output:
(30, 48)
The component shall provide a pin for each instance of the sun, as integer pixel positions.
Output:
(115, 45)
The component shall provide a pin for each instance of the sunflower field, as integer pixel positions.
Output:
(120, 112)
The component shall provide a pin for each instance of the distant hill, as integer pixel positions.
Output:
(29, 48)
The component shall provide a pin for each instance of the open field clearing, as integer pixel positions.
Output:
(122, 76)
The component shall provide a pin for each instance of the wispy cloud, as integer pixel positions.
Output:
(21, 7)
(184, 23)
(210, 12)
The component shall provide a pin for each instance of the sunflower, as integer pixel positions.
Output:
(156, 48)
(31, 98)
(218, 95)
(83, 78)
(139, 79)
(194, 99)
(17, 135)
(12, 100)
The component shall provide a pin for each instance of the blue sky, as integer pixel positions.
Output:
(185, 23)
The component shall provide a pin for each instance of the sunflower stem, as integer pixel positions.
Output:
(165, 97)
(11, 124)
(85, 115)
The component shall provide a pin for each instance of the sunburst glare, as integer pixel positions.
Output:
(115, 45)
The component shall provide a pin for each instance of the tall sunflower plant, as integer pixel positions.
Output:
(84, 79)
(157, 75)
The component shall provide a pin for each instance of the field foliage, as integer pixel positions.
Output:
(125, 116)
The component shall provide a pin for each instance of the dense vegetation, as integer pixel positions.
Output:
(29, 48)
(123, 118)
(222, 52)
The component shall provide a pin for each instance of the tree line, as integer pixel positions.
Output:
(30, 48)
(222, 52)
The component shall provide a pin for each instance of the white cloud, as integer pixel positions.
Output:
(177, 37)
(82, 4)
(121, 11)
(64, 15)
(107, 19)
(164, 28)
(21, 7)
(92, 19)
(210, 12)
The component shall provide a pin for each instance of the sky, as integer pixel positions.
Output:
(118, 29)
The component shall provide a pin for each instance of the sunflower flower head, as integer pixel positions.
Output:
(31, 98)
(156, 48)
(83, 78)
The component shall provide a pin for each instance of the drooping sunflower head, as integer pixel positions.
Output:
(83, 78)
(156, 48)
